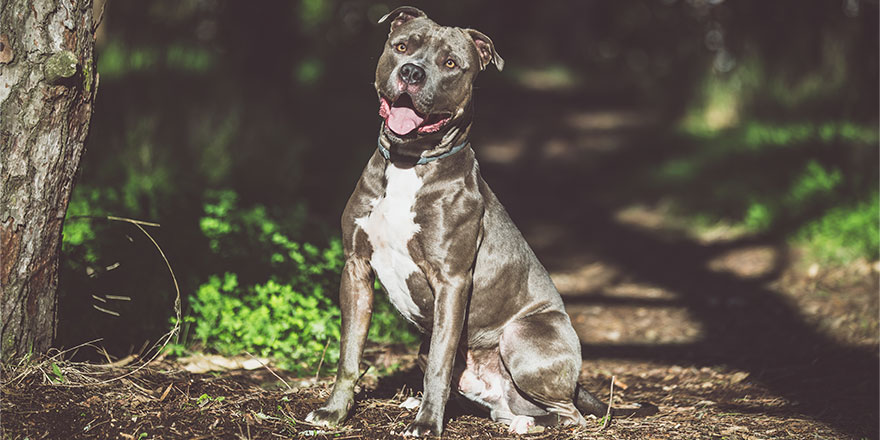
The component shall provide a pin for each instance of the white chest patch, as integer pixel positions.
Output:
(390, 226)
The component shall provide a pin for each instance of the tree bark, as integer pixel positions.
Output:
(47, 86)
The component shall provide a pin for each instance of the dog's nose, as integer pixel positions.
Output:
(412, 74)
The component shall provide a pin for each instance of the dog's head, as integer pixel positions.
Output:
(425, 74)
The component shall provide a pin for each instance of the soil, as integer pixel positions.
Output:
(731, 336)
(697, 398)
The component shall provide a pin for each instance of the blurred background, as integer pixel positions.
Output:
(648, 136)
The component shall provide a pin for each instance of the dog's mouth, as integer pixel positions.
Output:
(402, 118)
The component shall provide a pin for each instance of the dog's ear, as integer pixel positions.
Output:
(401, 15)
(486, 49)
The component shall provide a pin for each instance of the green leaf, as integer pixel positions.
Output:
(56, 370)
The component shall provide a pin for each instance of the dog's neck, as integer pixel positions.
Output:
(450, 140)
(411, 160)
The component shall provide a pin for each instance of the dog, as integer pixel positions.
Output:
(452, 262)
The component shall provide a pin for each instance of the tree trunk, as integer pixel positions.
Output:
(47, 87)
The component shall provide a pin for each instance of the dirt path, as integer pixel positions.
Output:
(730, 337)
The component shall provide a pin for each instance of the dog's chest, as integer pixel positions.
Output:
(390, 226)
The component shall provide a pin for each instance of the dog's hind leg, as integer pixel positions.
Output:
(542, 354)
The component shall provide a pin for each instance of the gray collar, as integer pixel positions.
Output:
(423, 160)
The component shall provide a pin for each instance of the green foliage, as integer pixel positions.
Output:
(78, 235)
(845, 233)
(812, 182)
(188, 59)
(757, 135)
(57, 375)
(268, 319)
(309, 71)
(118, 60)
(281, 305)
(313, 13)
(205, 399)
(759, 216)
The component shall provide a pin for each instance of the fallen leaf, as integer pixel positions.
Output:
(739, 376)
(733, 430)
(165, 394)
(92, 401)
(204, 363)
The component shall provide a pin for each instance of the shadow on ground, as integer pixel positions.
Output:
(559, 167)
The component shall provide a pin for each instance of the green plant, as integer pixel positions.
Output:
(57, 373)
(815, 185)
(79, 238)
(845, 232)
(277, 297)
(206, 399)
(806, 181)
(267, 319)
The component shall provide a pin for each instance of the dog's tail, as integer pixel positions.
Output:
(589, 404)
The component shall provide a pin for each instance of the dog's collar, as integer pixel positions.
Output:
(423, 160)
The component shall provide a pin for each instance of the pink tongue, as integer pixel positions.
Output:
(403, 120)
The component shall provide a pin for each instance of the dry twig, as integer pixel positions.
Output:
(83, 374)
(289, 388)
(318, 371)
(610, 404)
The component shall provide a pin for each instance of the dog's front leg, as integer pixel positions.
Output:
(356, 304)
(450, 302)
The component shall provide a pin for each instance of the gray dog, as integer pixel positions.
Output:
(451, 260)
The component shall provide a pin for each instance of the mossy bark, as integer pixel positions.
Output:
(47, 74)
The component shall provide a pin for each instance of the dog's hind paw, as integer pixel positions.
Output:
(524, 425)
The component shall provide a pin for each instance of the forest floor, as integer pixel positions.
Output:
(830, 392)
(732, 336)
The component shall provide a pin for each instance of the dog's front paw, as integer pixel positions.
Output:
(423, 429)
(326, 416)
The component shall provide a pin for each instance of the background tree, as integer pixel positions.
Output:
(48, 83)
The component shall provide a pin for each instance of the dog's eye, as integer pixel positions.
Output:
(401, 47)
(450, 63)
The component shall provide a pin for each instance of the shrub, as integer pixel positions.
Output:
(814, 186)
(812, 182)
(276, 297)
(845, 233)
(268, 319)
